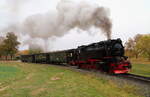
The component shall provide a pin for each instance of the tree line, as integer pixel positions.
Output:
(9, 46)
(139, 46)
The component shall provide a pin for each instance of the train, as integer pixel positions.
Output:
(106, 56)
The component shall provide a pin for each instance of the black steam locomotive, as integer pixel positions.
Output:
(107, 56)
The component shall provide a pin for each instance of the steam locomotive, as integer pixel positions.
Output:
(107, 56)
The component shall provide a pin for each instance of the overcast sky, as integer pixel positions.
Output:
(129, 17)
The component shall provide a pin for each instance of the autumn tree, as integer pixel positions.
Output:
(10, 45)
(131, 46)
(1, 50)
(136, 50)
(1, 46)
(144, 45)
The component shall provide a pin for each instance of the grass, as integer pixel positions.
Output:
(141, 67)
(38, 80)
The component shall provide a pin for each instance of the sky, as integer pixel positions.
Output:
(129, 17)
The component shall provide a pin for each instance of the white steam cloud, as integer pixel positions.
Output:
(68, 15)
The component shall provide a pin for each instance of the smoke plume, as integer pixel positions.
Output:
(69, 15)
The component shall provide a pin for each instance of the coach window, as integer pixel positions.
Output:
(79, 51)
(70, 54)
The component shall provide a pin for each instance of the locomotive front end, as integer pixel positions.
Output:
(120, 63)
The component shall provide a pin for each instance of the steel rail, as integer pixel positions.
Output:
(135, 77)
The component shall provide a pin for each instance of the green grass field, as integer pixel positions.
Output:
(141, 67)
(37, 80)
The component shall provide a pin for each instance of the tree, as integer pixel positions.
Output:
(1, 50)
(1, 40)
(136, 49)
(144, 45)
(10, 45)
(1, 46)
(131, 46)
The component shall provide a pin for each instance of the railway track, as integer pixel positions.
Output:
(129, 76)
(135, 78)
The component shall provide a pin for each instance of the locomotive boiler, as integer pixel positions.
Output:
(107, 56)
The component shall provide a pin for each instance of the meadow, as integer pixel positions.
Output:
(141, 67)
(19, 79)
